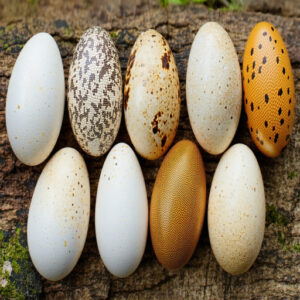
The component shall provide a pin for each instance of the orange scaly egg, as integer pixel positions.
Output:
(269, 92)
(178, 205)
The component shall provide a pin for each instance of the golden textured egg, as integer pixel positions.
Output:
(269, 92)
(178, 205)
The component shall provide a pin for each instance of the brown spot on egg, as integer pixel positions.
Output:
(154, 122)
(126, 97)
(163, 141)
(166, 60)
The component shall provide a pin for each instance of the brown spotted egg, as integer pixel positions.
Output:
(151, 95)
(95, 92)
(269, 91)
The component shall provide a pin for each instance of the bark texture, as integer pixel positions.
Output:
(276, 272)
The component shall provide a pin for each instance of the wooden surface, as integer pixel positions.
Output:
(276, 272)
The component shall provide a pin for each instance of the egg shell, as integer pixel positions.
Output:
(59, 215)
(236, 210)
(213, 88)
(269, 91)
(121, 216)
(151, 95)
(178, 205)
(35, 100)
(95, 92)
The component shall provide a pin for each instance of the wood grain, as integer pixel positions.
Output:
(276, 272)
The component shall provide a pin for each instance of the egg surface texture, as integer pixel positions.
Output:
(236, 210)
(35, 100)
(213, 88)
(59, 215)
(269, 92)
(178, 205)
(121, 212)
(95, 92)
(151, 95)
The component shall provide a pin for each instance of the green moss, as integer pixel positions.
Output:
(285, 246)
(13, 252)
(114, 35)
(274, 216)
(9, 27)
(67, 31)
(281, 241)
(292, 174)
(5, 45)
(32, 2)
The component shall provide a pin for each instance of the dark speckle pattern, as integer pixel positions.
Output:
(95, 92)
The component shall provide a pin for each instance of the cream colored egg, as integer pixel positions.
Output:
(59, 215)
(236, 210)
(213, 88)
(151, 95)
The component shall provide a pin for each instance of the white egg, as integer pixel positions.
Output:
(213, 88)
(35, 100)
(121, 212)
(59, 215)
(236, 210)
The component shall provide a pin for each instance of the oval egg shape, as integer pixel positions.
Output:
(269, 91)
(236, 210)
(35, 100)
(213, 88)
(121, 216)
(59, 215)
(178, 205)
(151, 95)
(95, 92)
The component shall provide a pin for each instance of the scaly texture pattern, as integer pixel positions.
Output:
(95, 92)
(269, 92)
(178, 205)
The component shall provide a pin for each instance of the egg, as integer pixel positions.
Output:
(151, 95)
(236, 210)
(269, 91)
(121, 215)
(213, 88)
(59, 215)
(178, 205)
(35, 100)
(95, 92)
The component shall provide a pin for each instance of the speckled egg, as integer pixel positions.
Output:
(236, 210)
(269, 92)
(59, 215)
(95, 92)
(213, 88)
(121, 216)
(151, 95)
(35, 100)
(178, 205)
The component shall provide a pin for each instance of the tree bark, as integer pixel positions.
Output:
(276, 272)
